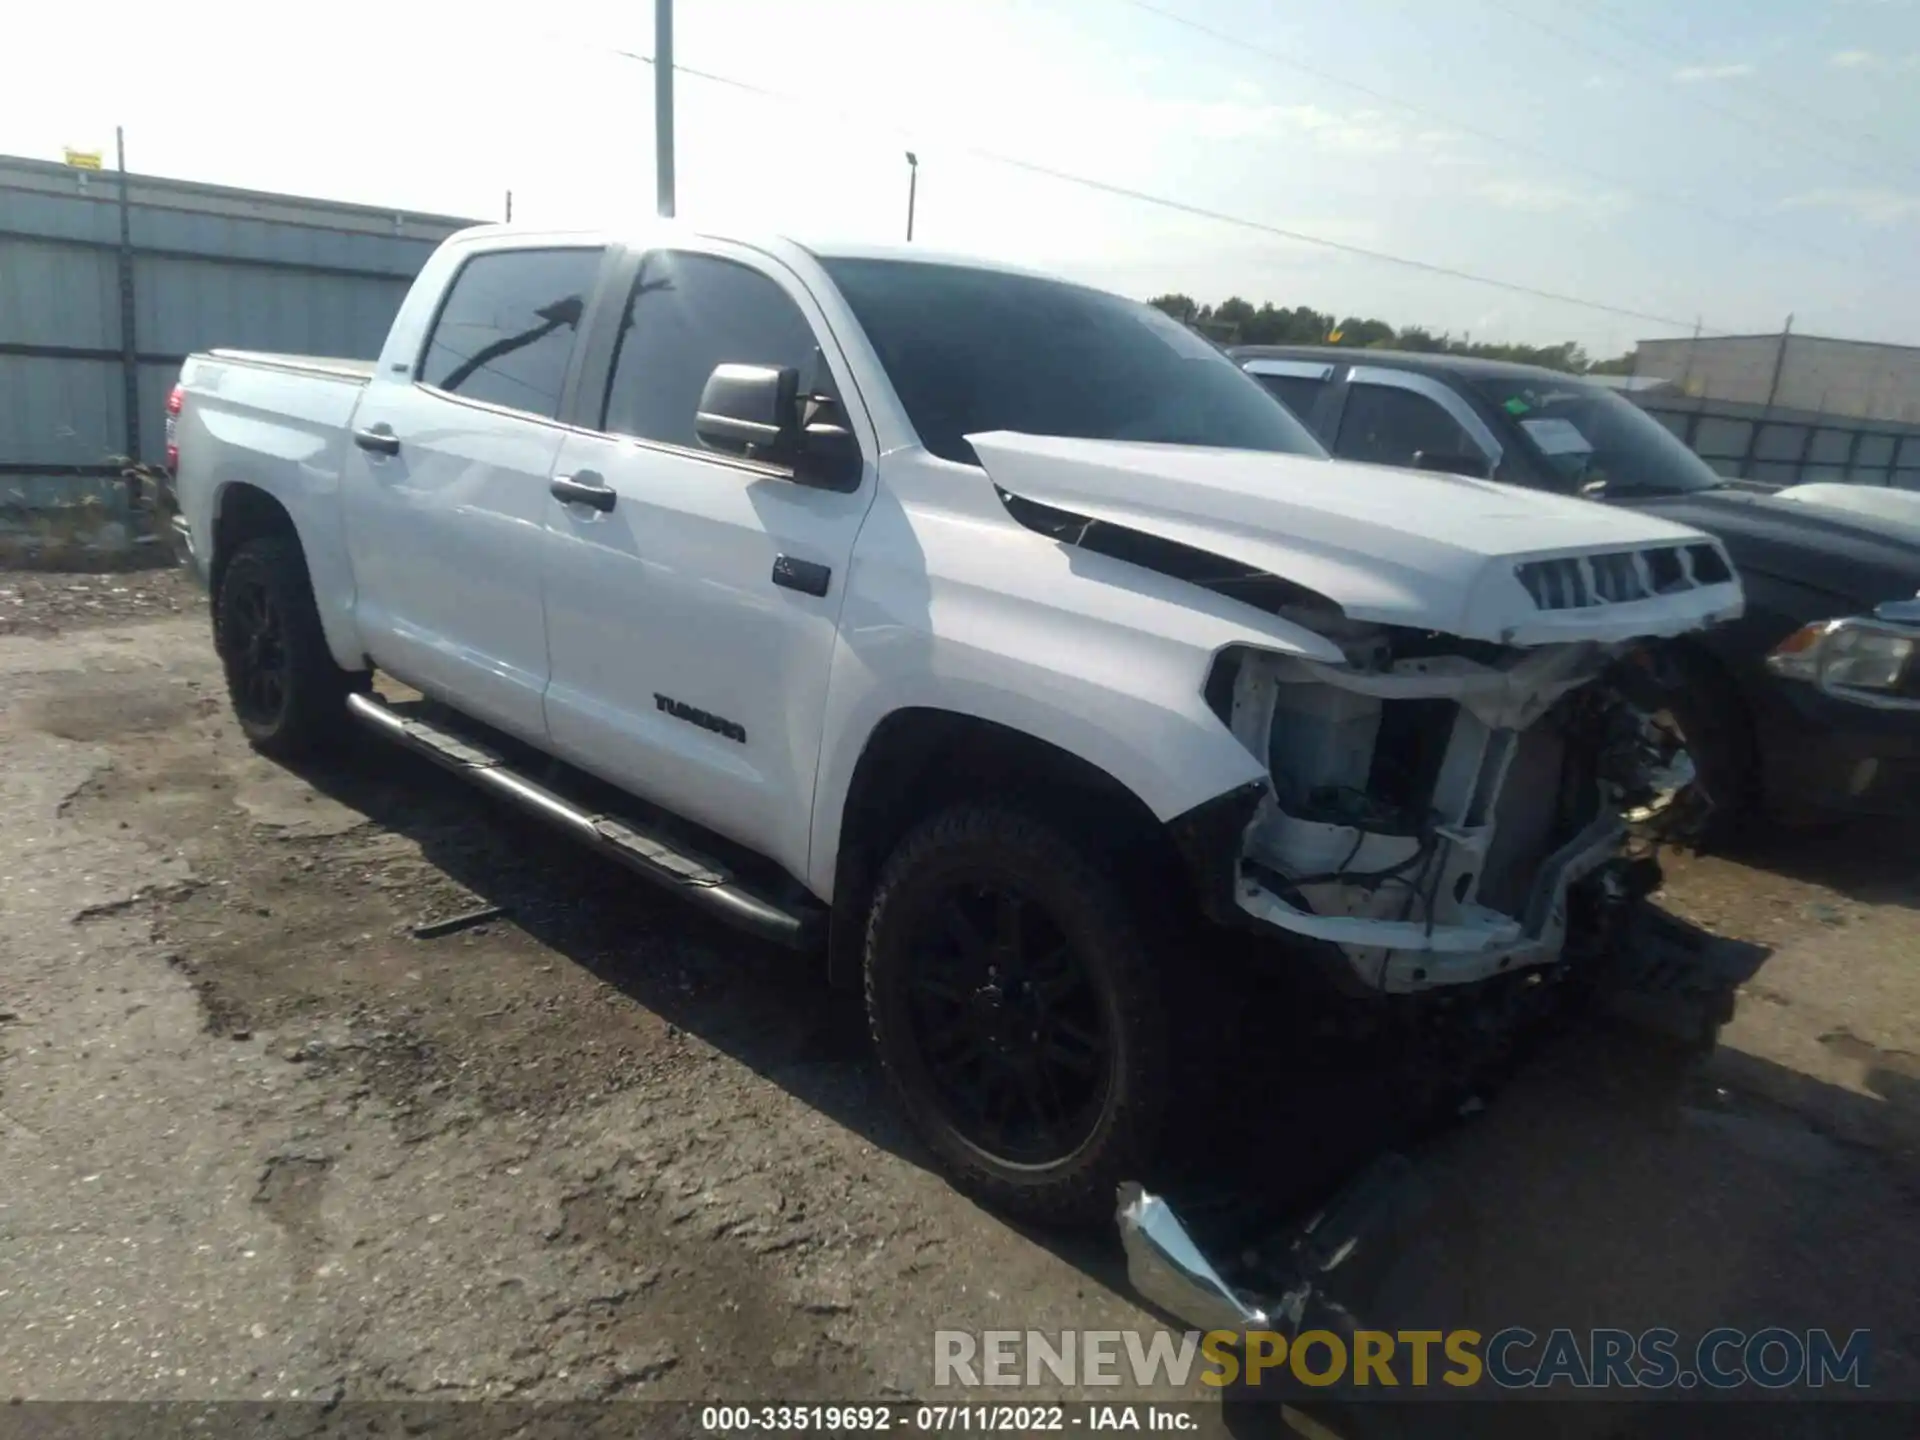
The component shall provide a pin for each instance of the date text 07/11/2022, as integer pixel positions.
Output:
(936, 1419)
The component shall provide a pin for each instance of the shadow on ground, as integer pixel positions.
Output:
(1873, 861)
(1608, 1186)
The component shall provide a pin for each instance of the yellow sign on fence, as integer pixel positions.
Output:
(83, 159)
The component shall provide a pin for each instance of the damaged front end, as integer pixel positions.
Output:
(1445, 828)
(1452, 757)
(1441, 812)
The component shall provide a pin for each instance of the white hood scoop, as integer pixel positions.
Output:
(1428, 551)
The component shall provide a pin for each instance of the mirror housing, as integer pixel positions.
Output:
(1453, 462)
(748, 410)
(757, 413)
(829, 456)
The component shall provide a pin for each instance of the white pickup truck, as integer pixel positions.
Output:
(994, 634)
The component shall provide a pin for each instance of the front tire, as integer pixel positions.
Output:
(1015, 1003)
(1694, 699)
(288, 695)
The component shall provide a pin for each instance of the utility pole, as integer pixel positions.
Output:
(913, 184)
(509, 207)
(129, 352)
(1773, 393)
(1686, 373)
(663, 106)
(1779, 362)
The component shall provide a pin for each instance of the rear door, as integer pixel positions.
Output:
(691, 622)
(446, 485)
(1401, 417)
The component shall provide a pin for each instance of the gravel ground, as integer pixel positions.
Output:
(262, 1142)
(49, 602)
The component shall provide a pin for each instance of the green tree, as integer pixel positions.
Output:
(1364, 333)
(1235, 321)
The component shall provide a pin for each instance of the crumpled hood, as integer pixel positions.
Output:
(1388, 546)
(1862, 559)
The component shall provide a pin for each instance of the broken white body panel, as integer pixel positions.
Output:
(1417, 817)
(1465, 557)
(1414, 917)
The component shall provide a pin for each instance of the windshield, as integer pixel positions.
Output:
(1595, 441)
(971, 350)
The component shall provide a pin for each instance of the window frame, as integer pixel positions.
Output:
(1321, 372)
(1456, 406)
(569, 378)
(599, 350)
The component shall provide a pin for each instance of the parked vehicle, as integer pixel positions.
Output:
(904, 606)
(1809, 706)
(1893, 512)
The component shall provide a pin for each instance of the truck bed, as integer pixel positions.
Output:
(359, 371)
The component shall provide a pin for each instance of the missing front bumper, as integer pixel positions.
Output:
(1285, 1281)
(1665, 977)
(1406, 956)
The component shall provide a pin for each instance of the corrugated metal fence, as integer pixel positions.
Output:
(107, 281)
(1790, 447)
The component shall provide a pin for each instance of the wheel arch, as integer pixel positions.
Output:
(1723, 684)
(244, 510)
(920, 759)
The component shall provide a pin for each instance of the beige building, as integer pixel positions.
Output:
(1807, 373)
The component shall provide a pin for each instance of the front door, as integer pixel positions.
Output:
(691, 625)
(446, 484)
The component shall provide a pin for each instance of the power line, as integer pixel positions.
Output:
(1797, 137)
(1558, 162)
(1427, 266)
(1746, 227)
(1652, 44)
(1088, 182)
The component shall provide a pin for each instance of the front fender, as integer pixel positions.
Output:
(1103, 659)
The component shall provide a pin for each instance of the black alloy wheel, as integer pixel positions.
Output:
(1015, 987)
(287, 693)
(1006, 1021)
(259, 663)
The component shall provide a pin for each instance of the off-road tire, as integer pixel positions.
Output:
(306, 713)
(1116, 941)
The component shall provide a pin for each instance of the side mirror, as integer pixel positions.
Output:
(829, 456)
(1457, 462)
(748, 410)
(756, 412)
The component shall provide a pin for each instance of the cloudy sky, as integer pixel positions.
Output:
(1730, 160)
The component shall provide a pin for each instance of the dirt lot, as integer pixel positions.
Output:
(260, 1141)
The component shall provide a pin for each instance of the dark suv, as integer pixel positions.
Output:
(1809, 704)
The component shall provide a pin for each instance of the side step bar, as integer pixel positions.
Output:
(705, 882)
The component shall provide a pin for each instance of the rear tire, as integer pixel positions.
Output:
(1015, 1003)
(288, 695)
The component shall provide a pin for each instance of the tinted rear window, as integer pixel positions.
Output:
(971, 350)
(506, 330)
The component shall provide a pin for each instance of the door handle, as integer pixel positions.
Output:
(379, 439)
(584, 487)
(807, 576)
